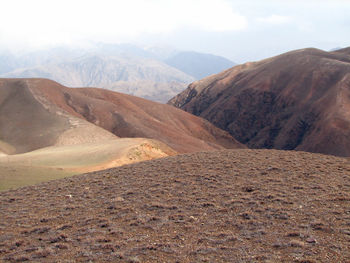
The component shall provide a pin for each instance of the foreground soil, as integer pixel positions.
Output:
(224, 206)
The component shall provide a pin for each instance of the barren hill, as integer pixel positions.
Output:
(223, 206)
(48, 131)
(26, 124)
(299, 100)
(120, 114)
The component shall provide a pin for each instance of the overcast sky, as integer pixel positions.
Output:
(242, 30)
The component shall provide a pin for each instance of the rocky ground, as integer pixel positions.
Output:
(224, 206)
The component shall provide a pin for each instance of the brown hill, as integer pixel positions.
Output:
(223, 206)
(48, 131)
(120, 114)
(299, 100)
(26, 124)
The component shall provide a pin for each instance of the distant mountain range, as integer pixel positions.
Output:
(153, 73)
(199, 65)
(144, 77)
(299, 100)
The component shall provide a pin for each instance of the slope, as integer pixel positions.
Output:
(61, 161)
(299, 100)
(223, 206)
(26, 125)
(129, 116)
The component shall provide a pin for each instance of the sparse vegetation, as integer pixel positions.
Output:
(224, 206)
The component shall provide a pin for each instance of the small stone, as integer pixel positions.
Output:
(311, 240)
(248, 189)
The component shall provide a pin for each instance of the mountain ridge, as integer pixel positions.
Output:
(297, 100)
(143, 72)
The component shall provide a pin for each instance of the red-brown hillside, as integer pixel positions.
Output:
(26, 124)
(35, 113)
(299, 100)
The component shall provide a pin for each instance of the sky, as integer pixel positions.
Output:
(241, 30)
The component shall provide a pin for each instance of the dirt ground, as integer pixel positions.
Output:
(62, 161)
(224, 206)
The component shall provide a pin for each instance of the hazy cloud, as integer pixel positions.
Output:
(46, 22)
(275, 19)
(238, 29)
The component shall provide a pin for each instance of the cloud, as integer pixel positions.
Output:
(48, 22)
(213, 16)
(275, 19)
